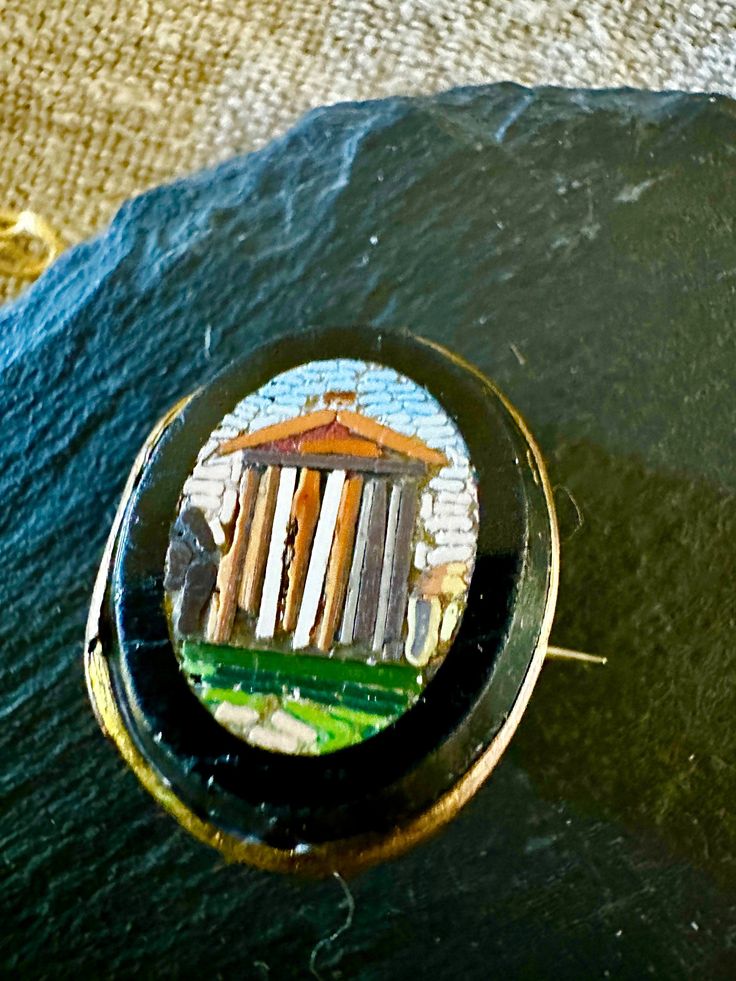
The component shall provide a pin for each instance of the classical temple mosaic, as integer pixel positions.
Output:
(320, 560)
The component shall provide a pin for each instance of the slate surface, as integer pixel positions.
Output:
(579, 247)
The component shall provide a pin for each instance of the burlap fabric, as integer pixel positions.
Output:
(101, 100)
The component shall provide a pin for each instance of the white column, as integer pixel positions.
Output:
(318, 561)
(275, 562)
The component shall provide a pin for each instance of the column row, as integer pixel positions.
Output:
(323, 556)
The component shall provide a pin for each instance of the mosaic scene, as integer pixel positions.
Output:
(319, 563)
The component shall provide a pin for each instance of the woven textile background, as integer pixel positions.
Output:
(100, 100)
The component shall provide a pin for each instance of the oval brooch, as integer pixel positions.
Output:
(326, 599)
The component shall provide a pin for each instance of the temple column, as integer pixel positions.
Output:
(365, 616)
(318, 560)
(339, 565)
(304, 514)
(266, 624)
(249, 595)
(400, 569)
(231, 564)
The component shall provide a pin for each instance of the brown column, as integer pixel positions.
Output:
(338, 567)
(356, 567)
(231, 564)
(260, 538)
(304, 514)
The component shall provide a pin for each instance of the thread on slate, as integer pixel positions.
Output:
(328, 941)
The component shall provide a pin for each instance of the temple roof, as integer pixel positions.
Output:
(335, 432)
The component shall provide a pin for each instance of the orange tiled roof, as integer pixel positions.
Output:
(362, 433)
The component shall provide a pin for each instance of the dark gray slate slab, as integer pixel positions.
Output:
(579, 247)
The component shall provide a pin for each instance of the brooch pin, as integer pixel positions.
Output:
(326, 599)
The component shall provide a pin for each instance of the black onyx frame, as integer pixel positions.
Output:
(365, 802)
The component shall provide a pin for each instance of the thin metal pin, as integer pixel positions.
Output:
(565, 654)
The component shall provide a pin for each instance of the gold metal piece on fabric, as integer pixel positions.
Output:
(343, 855)
(21, 234)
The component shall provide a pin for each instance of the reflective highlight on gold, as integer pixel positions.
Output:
(21, 234)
